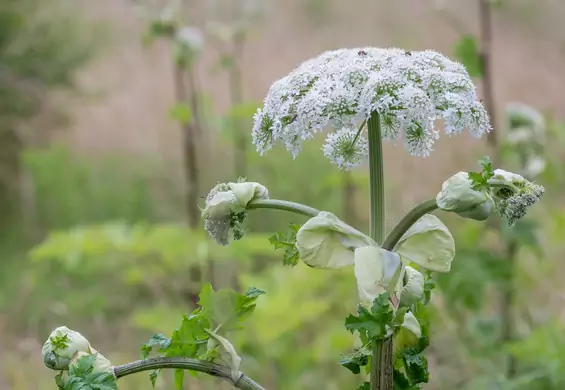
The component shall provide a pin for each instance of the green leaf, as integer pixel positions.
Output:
(254, 292)
(227, 308)
(83, 366)
(189, 336)
(157, 340)
(153, 376)
(179, 378)
(400, 381)
(82, 377)
(365, 386)
(480, 179)
(373, 323)
(467, 51)
(354, 362)
(181, 112)
(287, 241)
(59, 380)
(415, 366)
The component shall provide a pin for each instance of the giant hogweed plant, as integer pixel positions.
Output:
(365, 96)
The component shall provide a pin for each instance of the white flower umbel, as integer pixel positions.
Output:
(342, 88)
(510, 194)
(225, 209)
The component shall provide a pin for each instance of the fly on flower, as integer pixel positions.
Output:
(340, 89)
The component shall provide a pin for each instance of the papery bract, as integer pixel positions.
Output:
(375, 268)
(325, 241)
(429, 244)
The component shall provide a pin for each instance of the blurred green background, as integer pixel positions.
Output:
(95, 232)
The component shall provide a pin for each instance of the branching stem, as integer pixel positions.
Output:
(217, 370)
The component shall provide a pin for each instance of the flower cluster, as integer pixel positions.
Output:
(343, 88)
(516, 195)
(225, 209)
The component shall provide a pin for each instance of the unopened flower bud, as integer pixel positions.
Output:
(61, 347)
(413, 290)
(458, 196)
(225, 209)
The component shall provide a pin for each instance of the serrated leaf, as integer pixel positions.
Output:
(181, 112)
(287, 241)
(227, 308)
(153, 376)
(415, 366)
(187, 339)
(179, 378)
(480, 179)
(83, 366)
(156, 340)
(354, 362)
(467, 52)
(374, 323)
(82, 376)
(254, 292)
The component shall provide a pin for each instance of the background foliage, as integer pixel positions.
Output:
(116, 257)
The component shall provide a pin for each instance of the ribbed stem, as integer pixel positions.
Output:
(377, 180)
(381, 359)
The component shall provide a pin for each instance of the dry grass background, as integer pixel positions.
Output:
(132, 86)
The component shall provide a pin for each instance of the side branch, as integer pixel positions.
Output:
(283, 205)
(406, 223)
(217, 370)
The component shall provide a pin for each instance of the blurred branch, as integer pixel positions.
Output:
(217, 370)
(189, 131)
(506, 305)
(485, 20)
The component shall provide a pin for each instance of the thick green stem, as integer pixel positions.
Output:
(217, 370)
(377, 180)
(405, 223)
(381, 358)
(282, 205)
